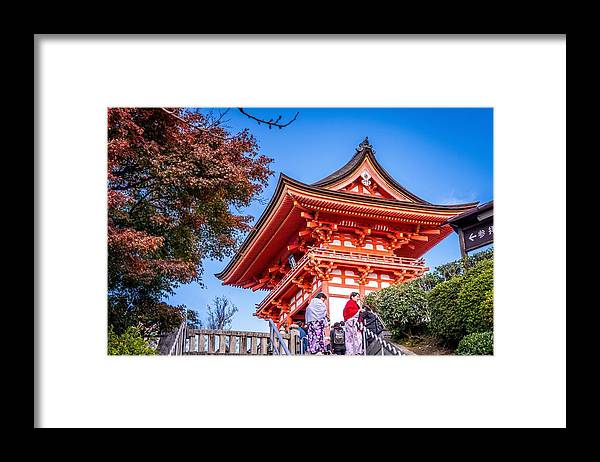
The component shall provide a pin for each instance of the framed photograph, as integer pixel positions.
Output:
(246, 228)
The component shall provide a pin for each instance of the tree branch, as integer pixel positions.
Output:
(129, 185)
(270, 123)
(140, 200)
(217, 122)
(202, 129)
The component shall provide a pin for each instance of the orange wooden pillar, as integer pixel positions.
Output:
(288, 319)
(325, 290)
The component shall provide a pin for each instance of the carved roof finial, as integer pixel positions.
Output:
(364, 145)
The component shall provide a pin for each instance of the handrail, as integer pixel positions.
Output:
(384, 344)
(178, 344)
(272, 332)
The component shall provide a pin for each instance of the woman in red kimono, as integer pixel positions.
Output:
(353, 335)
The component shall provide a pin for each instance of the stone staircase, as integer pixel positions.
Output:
(188, 341)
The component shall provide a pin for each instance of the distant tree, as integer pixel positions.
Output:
(220, 313)
(428, 281)
(457, 268)
(193, 321)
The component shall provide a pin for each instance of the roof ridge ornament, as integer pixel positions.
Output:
(365, 145)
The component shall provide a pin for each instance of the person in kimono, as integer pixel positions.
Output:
(353, 335)
(316, 320)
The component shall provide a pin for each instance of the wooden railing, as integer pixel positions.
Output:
(352, 257)
(340, 255)
(231, 342)
(368, 258)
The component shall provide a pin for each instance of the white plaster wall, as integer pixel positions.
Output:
(336, 309)
(342, 290)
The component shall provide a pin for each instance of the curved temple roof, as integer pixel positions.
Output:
(281, 203)
(364, 151)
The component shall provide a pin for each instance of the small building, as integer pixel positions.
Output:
(354, 230)
(475, 227)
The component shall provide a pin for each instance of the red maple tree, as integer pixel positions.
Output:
(174, 177)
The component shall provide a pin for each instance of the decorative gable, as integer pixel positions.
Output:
(363, 175)
(366, 180)
(365, 184)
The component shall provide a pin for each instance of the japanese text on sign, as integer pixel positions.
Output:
(479, 235)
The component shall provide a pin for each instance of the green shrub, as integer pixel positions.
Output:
(372, 300)
(130, 342)
(487, 309)
(447, 323)
(403, 308)
(477, 343)
(475, 299)
(463, 304)
(453, 300)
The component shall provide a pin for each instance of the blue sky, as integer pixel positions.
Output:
(443, 155)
